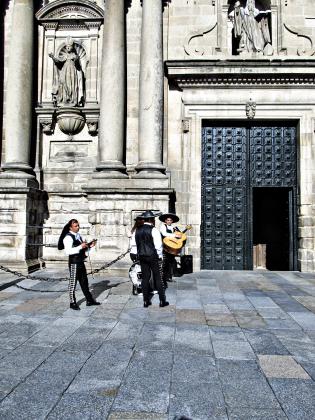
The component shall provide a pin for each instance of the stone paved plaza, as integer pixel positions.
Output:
(231, 345)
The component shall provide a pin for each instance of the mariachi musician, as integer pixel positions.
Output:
(168, 230)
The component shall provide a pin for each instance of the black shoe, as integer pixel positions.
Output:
(163, 303)
(74, 306)
(147, 303)
(92, 303)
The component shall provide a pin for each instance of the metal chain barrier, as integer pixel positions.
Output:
(49, 279)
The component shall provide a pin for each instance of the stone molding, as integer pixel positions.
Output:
(58, 10)
(202, 73)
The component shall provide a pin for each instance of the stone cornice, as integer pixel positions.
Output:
(238, 73)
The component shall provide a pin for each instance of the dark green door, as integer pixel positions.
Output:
(236, 160)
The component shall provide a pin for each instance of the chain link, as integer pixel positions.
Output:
(49, 279)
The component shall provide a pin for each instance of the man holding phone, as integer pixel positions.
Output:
(71, 241)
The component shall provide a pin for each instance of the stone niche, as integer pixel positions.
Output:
(69, 51)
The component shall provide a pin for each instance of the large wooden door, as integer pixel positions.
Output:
(235, 160)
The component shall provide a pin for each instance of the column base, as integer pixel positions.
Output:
(110, 170)
(17, 179)
(150, 170)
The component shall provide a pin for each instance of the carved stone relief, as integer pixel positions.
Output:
(47, 125)
(251, 109)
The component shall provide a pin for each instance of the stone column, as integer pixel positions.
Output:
(18, 117)
(151, 91)
(113, 88)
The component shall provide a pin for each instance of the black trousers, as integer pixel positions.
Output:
(169, 262)
(78, 274)
(149, 264)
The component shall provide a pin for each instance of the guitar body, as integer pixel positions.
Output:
(174, 245)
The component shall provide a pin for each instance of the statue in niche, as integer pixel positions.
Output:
(69, 86)
(251, 28)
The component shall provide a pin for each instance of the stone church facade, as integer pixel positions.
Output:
(205, 108)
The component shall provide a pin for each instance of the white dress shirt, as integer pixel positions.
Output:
(157, 240)
(133, 244)
(68, 242)
(164, 232)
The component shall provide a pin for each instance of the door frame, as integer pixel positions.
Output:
(293, 190)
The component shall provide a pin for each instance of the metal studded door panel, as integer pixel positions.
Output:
(273, 156)
(224, 197)
(234, 160)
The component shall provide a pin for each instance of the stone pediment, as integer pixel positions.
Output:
(72, 9)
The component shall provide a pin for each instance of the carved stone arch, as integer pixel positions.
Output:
(72, 9)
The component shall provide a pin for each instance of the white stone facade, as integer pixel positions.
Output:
(154, 71)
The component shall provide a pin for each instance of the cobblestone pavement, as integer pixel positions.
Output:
(231, 345)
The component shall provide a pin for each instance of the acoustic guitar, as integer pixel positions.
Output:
(174, 245)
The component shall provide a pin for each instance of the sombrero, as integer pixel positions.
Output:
(170, 215)
(147, 215)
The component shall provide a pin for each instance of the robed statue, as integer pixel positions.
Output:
(251, 28)
(69, 84)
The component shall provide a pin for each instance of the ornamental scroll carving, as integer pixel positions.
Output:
(301, 51)
(197, 50)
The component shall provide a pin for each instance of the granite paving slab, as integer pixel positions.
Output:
(136, 415)
(281, 367)
(265, 342)
(233, 350)
(255, 414)
(156, 336)
(305, 319)
(186, 368)
(148, 374)
(307, 301)
(193, 316)
(227, 334)
(221, 320)
(202, 401)
(296, 397)
(192, 339)
(88, 405)
(244, 385)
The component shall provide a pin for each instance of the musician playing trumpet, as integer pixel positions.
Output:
(168, 230)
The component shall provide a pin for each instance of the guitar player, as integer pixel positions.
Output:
(167, 230)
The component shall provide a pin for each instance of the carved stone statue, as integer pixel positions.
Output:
(69, 86)
(251, 28)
